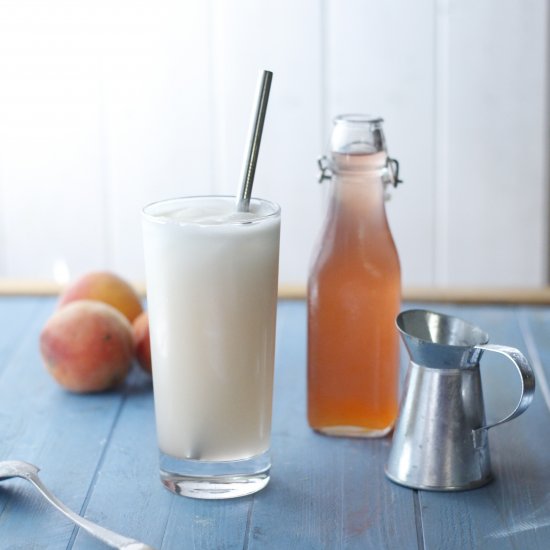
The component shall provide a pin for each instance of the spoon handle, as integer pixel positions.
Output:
(108, 537)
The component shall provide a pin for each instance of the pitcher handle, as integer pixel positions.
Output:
(527, 387)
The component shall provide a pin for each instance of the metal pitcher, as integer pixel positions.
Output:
(440, 440)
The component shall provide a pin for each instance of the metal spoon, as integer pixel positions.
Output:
(18, 468)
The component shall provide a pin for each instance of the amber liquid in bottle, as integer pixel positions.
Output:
(354, 292)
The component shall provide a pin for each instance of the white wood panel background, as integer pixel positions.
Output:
(108, 105)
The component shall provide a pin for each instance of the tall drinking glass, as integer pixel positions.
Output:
(212, 278)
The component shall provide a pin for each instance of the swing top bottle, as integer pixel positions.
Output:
(354, 290)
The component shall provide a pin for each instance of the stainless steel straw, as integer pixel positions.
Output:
(254, 139)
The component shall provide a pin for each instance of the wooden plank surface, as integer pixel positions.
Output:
(99, 455)
(327, 492)
(463, 295)
(512, 512)
(65, 435)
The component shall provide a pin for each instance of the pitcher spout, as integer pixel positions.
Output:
(439, 341)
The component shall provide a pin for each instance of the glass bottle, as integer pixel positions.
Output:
(354, 290)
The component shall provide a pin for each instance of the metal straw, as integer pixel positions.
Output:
(254, 139)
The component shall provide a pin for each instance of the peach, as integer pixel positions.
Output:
(87, 346)
(142, 342)
(105, 287)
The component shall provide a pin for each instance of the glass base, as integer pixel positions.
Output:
(214, 479)
(353, 431)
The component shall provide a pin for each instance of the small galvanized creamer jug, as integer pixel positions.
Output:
(440, 439)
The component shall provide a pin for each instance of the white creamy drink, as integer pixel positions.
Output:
(212, 294)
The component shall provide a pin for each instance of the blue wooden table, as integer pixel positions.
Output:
(98, 454)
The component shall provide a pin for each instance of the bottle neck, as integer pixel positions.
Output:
(357, 186)
(358, 164)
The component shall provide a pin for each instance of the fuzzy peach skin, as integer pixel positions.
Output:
(142, 342)
(105, 287)
(87, 346)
